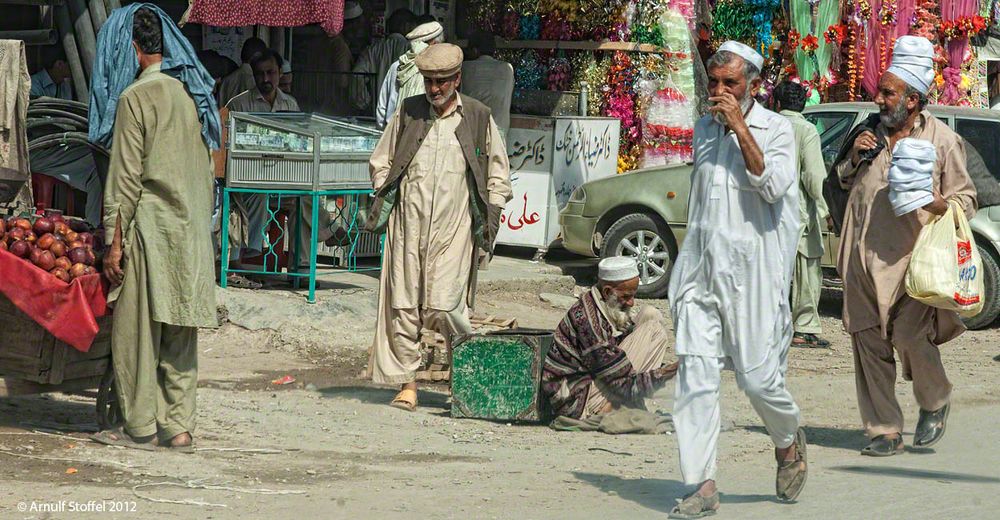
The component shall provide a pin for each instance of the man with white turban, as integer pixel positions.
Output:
(875, 249)
(607, 353)
(403, 78)
(729, 289)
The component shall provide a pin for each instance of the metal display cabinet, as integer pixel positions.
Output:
(278, 151)
(549, 158)
(279, 155)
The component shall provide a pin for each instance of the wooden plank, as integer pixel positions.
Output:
(85, 369)
(579, 46)
(33, 2)
(58, 363)
(32, 37)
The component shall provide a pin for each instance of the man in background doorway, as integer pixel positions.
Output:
(374, 61)
(54, 78)
(403, 79)
(285, 81)
(241, 80)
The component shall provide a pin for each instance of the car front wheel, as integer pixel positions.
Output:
(639, 236)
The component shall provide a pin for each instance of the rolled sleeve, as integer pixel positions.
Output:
(124, 183)
(779, 159)
(498, 173)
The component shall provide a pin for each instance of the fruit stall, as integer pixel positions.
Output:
(56, 334)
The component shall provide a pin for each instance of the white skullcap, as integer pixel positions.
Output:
(744, 51)
(911, 180)
(352, 10)
(617, 269)
(425, 32)
(286, 67)
(913, 62)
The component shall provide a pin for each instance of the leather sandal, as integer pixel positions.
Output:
(791, 475)
(405, 400)
(884, 446)
(930, 427)
(696, 506)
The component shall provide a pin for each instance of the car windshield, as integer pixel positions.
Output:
(833, 128)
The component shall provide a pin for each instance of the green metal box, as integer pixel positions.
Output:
(497, 375)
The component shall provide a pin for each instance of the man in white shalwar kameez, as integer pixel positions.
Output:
(441, 158)
(729, 288)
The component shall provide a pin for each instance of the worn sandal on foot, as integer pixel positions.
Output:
(696, 506)
(405, 400)
(884, 446)
(791, 477)
(118, 437)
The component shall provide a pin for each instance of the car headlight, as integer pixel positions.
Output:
(578, 195)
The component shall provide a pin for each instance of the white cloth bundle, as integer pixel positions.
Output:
(911, 180)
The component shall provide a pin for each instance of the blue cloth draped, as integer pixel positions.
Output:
(116, 67)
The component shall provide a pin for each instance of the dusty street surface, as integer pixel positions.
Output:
(327, 446)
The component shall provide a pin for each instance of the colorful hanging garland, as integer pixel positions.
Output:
(963, 27)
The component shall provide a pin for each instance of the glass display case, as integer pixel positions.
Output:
(279, 151)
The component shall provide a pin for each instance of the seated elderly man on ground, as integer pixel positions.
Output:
(607, 353)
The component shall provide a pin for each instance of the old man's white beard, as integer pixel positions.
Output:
(623, 318)
(745, 103)
(443, 100)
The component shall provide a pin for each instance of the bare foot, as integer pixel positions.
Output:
(707, 488)
(183, 440)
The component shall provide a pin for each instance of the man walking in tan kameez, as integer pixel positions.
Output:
(875, 250)
(157, 200)
(441, 169)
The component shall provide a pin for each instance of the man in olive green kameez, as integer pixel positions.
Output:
(157, 201)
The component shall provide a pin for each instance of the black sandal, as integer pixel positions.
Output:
(883, 446)
(809, 341)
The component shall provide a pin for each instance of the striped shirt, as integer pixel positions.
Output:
(586, 349)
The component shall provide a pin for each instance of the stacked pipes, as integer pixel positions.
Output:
(79, 22)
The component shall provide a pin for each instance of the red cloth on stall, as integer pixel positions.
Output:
(287, 13)
(69, 311)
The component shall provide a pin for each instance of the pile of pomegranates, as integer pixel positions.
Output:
(63, 248)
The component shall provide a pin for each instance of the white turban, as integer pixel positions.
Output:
(425, 32)
(617, 269)
(913, 62)
(911, 178)
(744, 51)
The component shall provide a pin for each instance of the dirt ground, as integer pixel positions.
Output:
(327, 446)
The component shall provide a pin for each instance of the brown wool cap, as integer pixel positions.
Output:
(443, 60)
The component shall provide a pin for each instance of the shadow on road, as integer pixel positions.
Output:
(656, 494)
(378, 395)
(31, 412)
(918, 473)
(838, 438)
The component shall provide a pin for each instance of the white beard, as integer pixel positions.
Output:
(623, 318)
(745, 104)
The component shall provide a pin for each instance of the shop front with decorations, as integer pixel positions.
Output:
(639, 64)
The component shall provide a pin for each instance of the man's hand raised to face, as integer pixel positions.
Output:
(727, 105)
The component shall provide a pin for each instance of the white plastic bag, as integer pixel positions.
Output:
(945, 269)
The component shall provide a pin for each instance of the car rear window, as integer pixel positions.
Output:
(983, 135)
(833, 128)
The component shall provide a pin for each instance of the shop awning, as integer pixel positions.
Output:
(287, 13)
